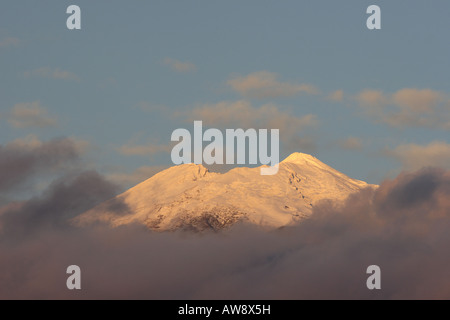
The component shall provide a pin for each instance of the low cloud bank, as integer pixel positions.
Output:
(403, 227)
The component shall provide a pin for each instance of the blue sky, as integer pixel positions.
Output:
(368, 103)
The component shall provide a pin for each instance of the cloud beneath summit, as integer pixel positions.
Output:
(51, 73)
(407, 107)
(402, 227)
(264, 84)
(30, 114)
(179, 66)
(413, 156)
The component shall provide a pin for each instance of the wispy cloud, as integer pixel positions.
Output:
(264, 84)
(336, 96)
(407, 107)
(351, 143)
(414, 156)
(179, 66)
(371, 98)
(9, 42)
(415, 100)
(242, 114)
(30, 114)
(51, 73)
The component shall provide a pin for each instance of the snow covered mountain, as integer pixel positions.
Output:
(190, 197)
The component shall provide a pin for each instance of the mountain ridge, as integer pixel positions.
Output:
(190, 197)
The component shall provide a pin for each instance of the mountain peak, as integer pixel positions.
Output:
(188, 197)
(298, 157)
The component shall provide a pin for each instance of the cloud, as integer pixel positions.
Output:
(64, 199)
(30, 114)
(407, 107)
(9, 42)
(402, 227)
(179, 66)
(23, 158)
(351, 143)
(371, 98)
(336, 96)
(51, 73)
(242, 114)
(264, 84)
(414, 156)
(422, 101)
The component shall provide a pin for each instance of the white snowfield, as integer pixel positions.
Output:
(190, 197)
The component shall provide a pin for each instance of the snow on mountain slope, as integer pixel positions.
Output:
(190, 197)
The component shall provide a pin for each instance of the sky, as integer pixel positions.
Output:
(84, 114)
(369, 103)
